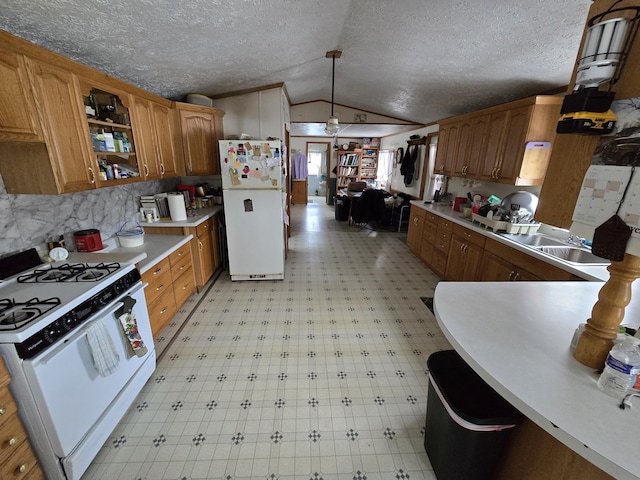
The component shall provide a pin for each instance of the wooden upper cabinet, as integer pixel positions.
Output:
(62, 163)
(142, 122)
(164, 139)
(200, 138)
(492, 152)
(510, 143)
(18, 118)
(446, 150)
(468, 141)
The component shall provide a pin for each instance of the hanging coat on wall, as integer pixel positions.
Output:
(409, 164)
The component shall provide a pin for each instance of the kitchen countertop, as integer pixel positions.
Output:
(521, 348)
(154, 249)
(587, 272)
(201, 215)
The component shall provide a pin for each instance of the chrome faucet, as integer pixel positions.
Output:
(578, 241)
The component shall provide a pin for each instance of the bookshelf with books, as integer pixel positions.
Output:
(348, 167)
(369, 165)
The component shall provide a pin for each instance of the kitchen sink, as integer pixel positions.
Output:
(573, 255)
(534, 240)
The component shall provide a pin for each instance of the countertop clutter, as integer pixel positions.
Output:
(587, 272)
(525, 357)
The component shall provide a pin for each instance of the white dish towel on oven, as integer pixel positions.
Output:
(103, 350)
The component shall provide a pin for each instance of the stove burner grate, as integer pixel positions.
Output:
(14, 315)
(70, 272)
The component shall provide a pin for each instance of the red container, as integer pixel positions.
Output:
(88, 240)
(459, 201)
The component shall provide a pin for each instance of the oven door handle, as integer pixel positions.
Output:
(83, 331)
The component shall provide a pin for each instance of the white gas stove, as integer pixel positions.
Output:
(58, 322)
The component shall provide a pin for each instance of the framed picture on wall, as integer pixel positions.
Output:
(397, 158)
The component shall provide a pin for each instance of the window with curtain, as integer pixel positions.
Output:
(385, 168)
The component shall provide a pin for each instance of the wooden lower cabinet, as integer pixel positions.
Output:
(170, 284)
(457, 253)
(414, 234)
(501, 263)
(205, 247)
(465, 255)
(17, 459)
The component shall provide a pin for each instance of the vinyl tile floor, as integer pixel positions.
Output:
(320, 376)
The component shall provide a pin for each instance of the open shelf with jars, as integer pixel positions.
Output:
(111, 136)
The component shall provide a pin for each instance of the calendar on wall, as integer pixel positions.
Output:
(612, 182)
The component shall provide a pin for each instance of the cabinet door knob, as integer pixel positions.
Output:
(3, 410)
(22, 468)
(200, 246)
(12, 441)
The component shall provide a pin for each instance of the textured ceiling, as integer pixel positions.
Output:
(419, 60)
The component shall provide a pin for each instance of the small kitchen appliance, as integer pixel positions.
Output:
(49, 313)
(88, 240)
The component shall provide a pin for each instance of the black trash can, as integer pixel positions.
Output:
(342, 203)
(468, 423)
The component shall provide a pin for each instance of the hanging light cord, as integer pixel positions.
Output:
(333, 82)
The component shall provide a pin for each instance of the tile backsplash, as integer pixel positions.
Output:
(32, 220)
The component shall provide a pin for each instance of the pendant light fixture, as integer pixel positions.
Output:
(332, 124)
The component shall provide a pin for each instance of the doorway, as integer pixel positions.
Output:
(318, 158)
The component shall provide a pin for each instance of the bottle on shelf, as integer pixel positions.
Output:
(622, 368)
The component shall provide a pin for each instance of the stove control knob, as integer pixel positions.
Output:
(68, 322)
(51, 333)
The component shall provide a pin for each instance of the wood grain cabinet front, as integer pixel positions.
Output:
(414, 234)
(201, 130)
(17, 459)
(170, 284)
(61, 162)
(18, 117)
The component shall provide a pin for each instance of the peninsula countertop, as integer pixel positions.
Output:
(517, 335)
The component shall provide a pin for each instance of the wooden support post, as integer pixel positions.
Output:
(608, 312)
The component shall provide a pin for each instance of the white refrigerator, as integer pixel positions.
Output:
(252, 178)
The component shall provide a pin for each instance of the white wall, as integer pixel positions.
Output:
(392, 142)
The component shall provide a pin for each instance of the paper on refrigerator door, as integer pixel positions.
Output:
(250, 164)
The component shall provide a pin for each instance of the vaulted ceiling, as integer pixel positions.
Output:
(418, 60)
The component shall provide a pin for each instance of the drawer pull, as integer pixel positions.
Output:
(185, 287)
(22, 468)
(159, 287)
(180, 253)
(164, 310)
(155, 272)
(3, 410)
(12, 441)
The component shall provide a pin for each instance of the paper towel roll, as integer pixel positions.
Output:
(177, 208)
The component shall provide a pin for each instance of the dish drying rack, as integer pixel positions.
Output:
(502, 226)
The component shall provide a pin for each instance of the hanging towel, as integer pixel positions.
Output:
(102, 348)
(131, 333)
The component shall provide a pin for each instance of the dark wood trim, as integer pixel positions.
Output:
(247, 90)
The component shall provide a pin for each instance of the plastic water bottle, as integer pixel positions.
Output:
(621, 368)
